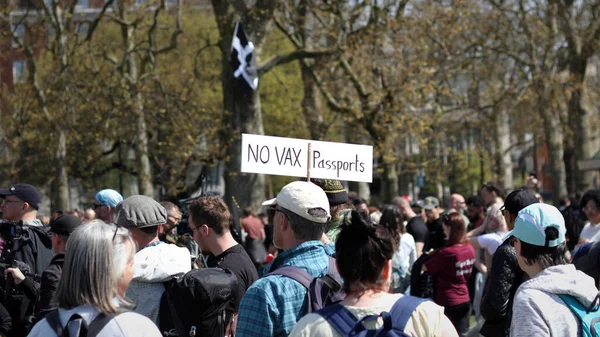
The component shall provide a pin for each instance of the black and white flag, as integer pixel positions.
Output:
(243, 60)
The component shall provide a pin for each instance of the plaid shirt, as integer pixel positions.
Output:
(273, 304)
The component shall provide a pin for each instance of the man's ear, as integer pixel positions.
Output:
(285, 225)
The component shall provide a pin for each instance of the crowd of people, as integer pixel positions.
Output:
(316, 261)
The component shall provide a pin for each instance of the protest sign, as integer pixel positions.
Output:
(289, 157)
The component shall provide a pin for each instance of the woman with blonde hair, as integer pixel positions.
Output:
(91, 293)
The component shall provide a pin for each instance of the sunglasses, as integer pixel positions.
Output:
(116, 231)
(96, 206)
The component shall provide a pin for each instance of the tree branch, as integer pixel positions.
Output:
(289, 57)
(96, 21)
(360, 88)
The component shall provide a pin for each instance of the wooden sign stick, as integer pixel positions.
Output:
(309, 162)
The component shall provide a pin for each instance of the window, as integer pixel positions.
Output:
(83, 3)
(19, 30)
(19, 70)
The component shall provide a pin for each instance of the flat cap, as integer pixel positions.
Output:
(140, 211)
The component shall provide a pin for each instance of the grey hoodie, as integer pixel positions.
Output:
(539, 311)
(151, 267)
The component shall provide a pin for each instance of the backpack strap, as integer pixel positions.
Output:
(54, 321)
(299, 275)
(340, 318)
(99, 323)
(332, 268)
(403, 310)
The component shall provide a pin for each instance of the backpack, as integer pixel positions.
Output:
(394, 321)
(422, 284)
(199, 303)
(320, 291)
(589, 317)
(84, 330)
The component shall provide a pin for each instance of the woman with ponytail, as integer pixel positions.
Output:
(364, 259)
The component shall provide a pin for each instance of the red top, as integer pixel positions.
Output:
(451, 267)
(252, 226)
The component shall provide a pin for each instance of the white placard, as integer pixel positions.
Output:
(288, 157)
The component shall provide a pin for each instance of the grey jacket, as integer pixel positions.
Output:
(539, 311)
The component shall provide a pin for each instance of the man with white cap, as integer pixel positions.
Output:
(546, 305)
(274, 303)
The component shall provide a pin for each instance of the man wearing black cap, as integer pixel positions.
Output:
(505, 275)
(20, 202)
(32, 248)
(44, 292)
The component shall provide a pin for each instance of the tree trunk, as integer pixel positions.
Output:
(245, 117)
(503, 148)
(243, 109)
(144, 175)
(60, 200)
(569, 157)
(389, 182)
(583, 142)
(554, 143)
(144, 171)
(311, 103)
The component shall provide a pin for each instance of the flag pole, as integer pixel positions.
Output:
(309, 162)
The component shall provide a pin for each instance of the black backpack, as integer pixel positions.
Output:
(422, 284)
(198, 303)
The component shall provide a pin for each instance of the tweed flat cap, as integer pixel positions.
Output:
(140, 211)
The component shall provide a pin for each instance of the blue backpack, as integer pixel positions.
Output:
(394, 321)
(589, 317)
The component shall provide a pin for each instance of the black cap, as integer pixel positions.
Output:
(25, 192)
(65, 224)
(519, 199)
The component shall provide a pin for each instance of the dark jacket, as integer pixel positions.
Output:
(44, 292)
(588, 262)
(32, 254)
(502, 283)
(5, 321)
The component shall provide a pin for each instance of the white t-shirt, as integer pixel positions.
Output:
(591, 232)
(406, 255)
(128, 324)
(427, 320)
(491, 241)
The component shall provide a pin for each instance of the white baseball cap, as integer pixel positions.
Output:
(302, 198)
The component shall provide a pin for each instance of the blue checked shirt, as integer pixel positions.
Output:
(274, 304)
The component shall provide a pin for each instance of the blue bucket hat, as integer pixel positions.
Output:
(531, 224)
(109, 197)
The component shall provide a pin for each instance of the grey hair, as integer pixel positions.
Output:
(94, 262)
(303, 228)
